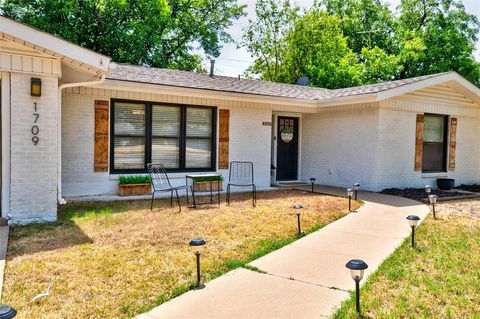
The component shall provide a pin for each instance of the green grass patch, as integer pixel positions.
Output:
(438, 279)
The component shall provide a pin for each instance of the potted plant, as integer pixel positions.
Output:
(202, 184)
(445, 183)
(134, 185)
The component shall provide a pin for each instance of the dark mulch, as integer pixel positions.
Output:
(471, 188)
(420, 195)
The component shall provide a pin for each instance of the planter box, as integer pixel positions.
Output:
(445, 183)
(205, 186)
(134, 189)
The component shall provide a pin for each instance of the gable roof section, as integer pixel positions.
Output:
(46, 43)
(193, 80)
(202, 81)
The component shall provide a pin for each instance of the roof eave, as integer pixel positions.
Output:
(44, 42)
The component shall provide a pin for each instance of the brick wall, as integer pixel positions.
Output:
(339, 147)
(33, 190)
(249, 140)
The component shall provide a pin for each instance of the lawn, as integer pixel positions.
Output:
(439, 279)
(116, 260)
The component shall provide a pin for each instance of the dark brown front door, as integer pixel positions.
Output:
(287, 148)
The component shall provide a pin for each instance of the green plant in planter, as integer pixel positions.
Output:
(208, 179)
(134, 179)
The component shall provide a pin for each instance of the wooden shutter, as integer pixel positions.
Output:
(223, 138)
(419, 142)
(101, 137)
(453, 144)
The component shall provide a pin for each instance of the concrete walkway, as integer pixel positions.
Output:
(308, 278)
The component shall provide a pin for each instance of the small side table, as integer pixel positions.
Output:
(212, 176)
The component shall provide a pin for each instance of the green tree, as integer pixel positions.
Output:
(264, 37)
(161, 33)
(317, 48)
(447, 33)
(366, 23)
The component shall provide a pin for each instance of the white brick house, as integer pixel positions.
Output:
(403, 133)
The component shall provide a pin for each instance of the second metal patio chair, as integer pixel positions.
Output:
(241, 175)
(161, 183)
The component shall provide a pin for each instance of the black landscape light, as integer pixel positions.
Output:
(350, 194)
(312, 181)
(428, 189)
(7, 312)
(413, 222)
(357, 268)
(197, 246)
(356, 188)
(297, 207)
(433, 199)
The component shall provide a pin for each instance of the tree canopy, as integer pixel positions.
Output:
(161, 33)
(339, 43)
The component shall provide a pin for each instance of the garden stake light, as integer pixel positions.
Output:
(350, 194)
(413, 221)
(356, 187)
(433, 199)
(428, 189)
(7, 312)
(297, 207)
(312, 180)
(357, 268)
(197, 246)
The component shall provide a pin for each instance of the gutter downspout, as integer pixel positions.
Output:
(60, 199)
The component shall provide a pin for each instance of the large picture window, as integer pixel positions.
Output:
(435, 143)
(178, 136)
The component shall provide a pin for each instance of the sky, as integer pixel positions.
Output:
(233, 61)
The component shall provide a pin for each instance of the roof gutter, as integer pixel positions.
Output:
(60, 199)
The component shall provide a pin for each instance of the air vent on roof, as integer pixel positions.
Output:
(212, 67)
(303, 81)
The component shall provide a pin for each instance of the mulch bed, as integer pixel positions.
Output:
(420, 195)
(471, 188)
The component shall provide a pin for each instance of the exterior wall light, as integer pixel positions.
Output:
(312, 181)
(357, 268)
(428, 189)
(7, 312)
(350, 194)
(297, 207)
(413, 222)
(356, 188)
(433, 199)
(197, 246)
(35, 87)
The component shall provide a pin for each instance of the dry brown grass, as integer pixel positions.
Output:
(116, 260)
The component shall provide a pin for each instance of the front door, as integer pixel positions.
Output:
(287, 148)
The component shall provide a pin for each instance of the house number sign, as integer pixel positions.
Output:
(35, 130)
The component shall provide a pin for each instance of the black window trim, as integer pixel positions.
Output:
(148, 137)
(446, 129)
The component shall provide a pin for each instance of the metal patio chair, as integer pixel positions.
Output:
(241, 175)
(161, 183)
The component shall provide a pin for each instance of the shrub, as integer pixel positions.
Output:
(134, 179)
(208, 179)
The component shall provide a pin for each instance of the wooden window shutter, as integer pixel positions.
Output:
(223, 138)
(419, 142)
(453, 144)
(101, 136)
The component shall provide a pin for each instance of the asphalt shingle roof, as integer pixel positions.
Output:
(176, 78)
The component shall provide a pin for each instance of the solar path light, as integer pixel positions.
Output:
(433, 199)
(356, 188)
(312, 181)
(357, 268)
(297, 208)
(350, 194)
(197, 246)
(413, 222)
(428, 189)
